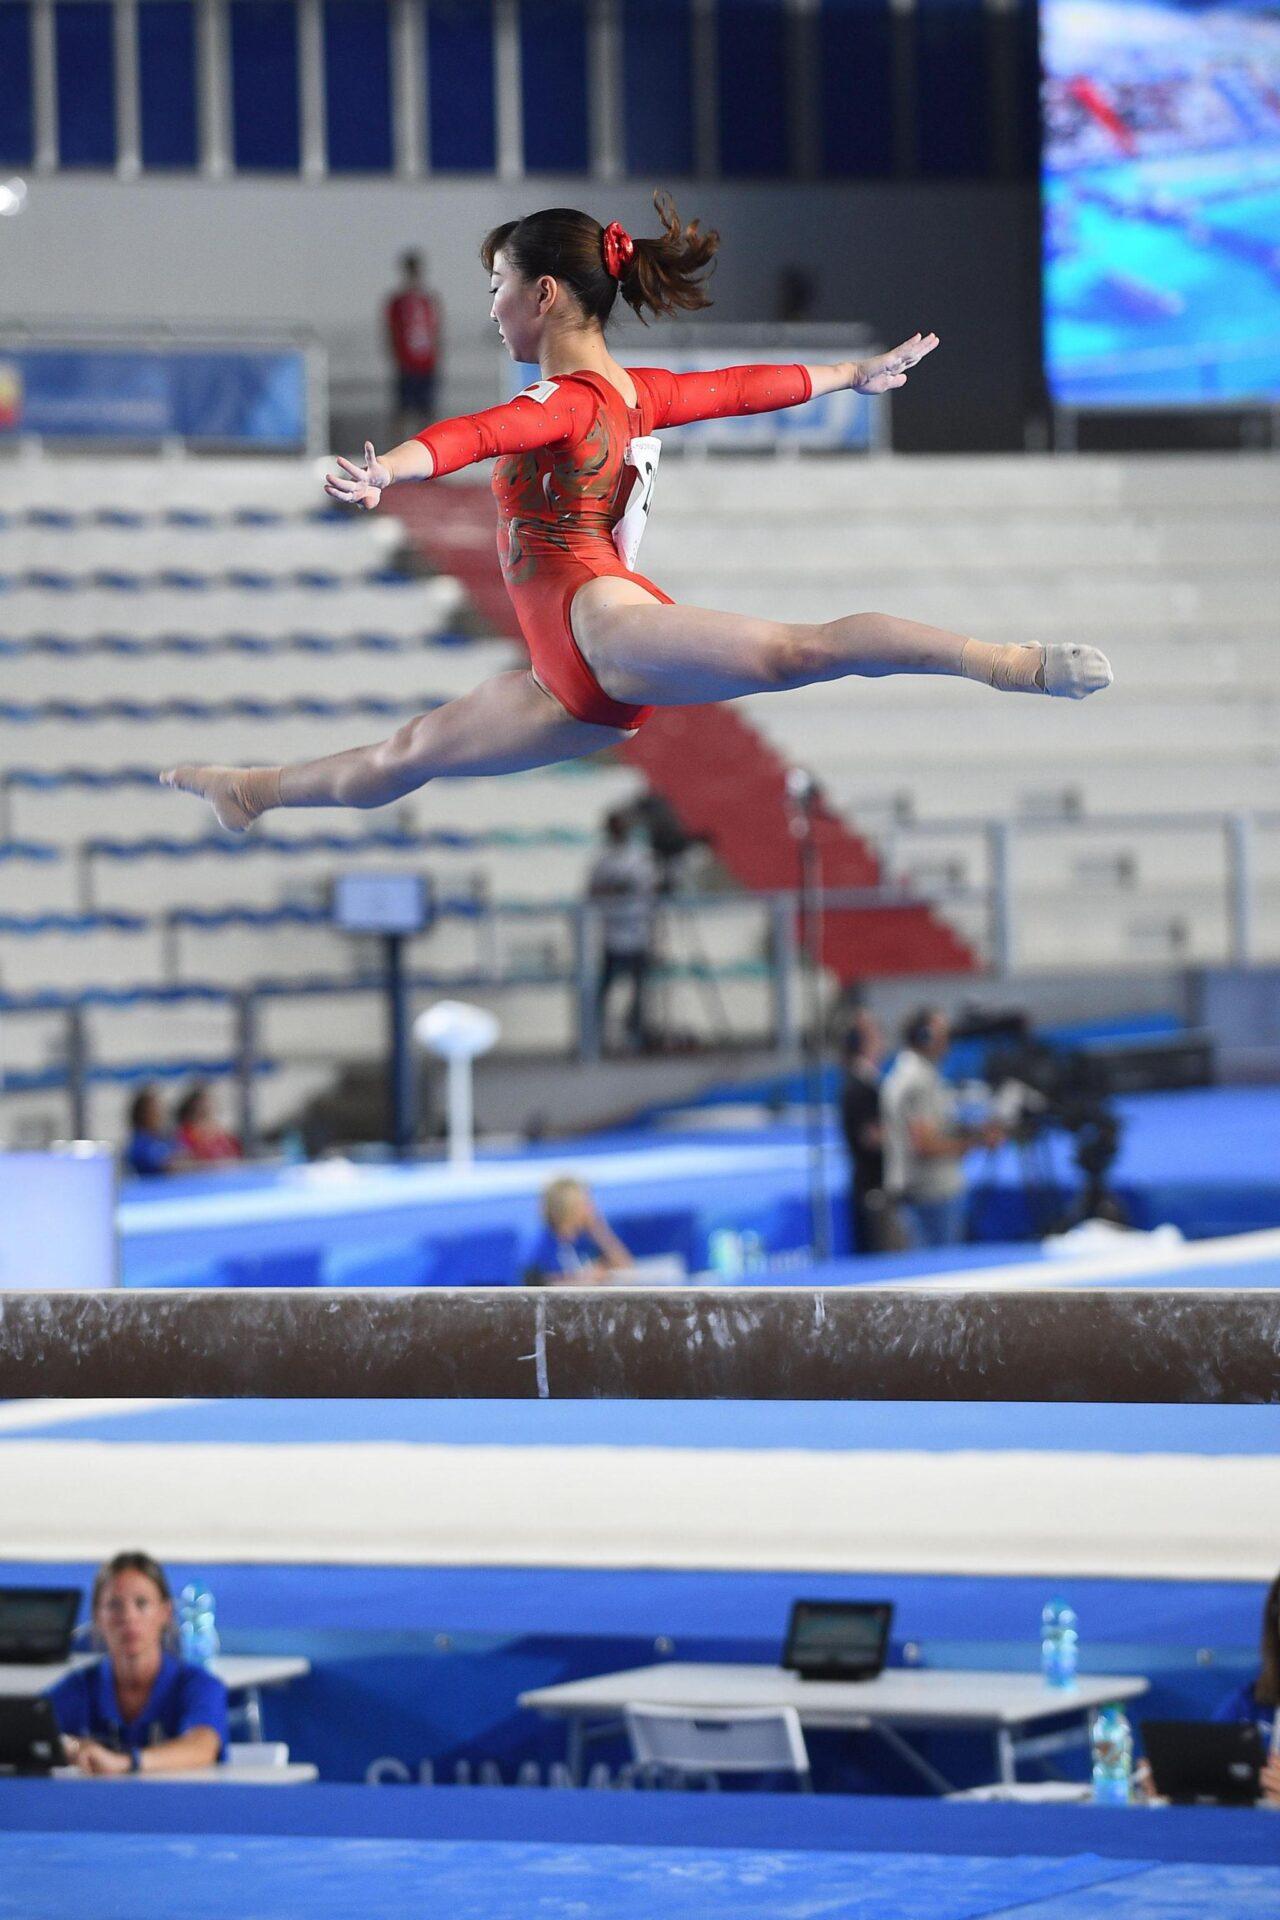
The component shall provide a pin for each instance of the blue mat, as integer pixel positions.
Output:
(119, 1876)
(835, 1426)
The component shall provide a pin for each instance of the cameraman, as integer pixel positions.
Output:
(924, 1144)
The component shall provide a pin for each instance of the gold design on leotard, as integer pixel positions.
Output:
(559, 500)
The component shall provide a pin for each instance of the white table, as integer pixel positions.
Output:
(297, 1773)
(1006, 1705)
(240, 1673)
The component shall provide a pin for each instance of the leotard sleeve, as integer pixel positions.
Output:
(679, 398)
(553, 413)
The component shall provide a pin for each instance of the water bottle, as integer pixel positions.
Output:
(1059, 1642)
(197, 1624)
(724, 1251)
(752, 1252)
(1112, 1740)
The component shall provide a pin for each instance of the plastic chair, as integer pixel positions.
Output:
(257, 1753)
(752, 1740)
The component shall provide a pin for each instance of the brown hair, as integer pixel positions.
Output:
(131, 1562)
(665, 275)
(1266, 1689)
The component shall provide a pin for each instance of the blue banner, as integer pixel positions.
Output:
(245, 398)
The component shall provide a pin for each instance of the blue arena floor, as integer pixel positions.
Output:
(50, 1877)
(231, 1854)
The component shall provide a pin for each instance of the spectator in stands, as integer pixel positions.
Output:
(413, 335)
(577, 1246)
(199, 1135)
(152, 1148)
(623, 883)
(924, 1143)
(862, 1055)
(140, 1709)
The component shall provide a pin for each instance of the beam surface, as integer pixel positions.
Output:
(513, 1343)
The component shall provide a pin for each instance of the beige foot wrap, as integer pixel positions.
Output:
(1067, 672)
(238, 795)
(1007, 669)
(260, 789)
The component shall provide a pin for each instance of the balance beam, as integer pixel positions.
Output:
(513, 1343)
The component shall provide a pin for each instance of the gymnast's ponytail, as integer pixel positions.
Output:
(597, 263)
(666, 275)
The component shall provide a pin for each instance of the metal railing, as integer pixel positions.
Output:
(1237, 830)
(527, 947)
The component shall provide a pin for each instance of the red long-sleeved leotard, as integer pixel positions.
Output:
(562, 482)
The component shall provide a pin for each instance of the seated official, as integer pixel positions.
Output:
(577, 1246)
(1258, 1700)
(140, 1709)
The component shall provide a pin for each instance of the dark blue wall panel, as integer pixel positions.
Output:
(167, 83)
(1026, 26)
(855, 69)
(953, 95)
(85, 54)
(461, 108)
(357, 78)
(17, 114)
(265, 112)
(657, 87)
(752, 46)
(553, 64)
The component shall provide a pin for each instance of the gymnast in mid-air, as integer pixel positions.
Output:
(576, 460)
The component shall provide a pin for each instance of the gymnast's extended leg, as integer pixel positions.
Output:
(505, 725)
(651, 654)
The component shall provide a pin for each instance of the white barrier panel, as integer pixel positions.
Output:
(57, 1219)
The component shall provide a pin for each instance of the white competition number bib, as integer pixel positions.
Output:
(642, 454)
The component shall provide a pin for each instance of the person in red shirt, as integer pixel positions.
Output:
(413, 335)
(199, 1136)
(576, 461)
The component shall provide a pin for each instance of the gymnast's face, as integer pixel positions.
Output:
(132, 1616)
(520, 308)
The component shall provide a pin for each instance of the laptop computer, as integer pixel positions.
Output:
(838, 1639)
(30, 1741)
(1212, 1762)
(36, 1624)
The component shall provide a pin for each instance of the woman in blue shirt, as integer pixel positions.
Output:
(1257, 1700)
(140, 1709)
(152, 1149)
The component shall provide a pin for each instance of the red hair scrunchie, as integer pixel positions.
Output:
(619, 249)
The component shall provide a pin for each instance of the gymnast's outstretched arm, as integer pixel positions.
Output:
(551, 413)
(505, 725)
(720, 393)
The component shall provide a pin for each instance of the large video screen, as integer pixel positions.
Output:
(1161, 202)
